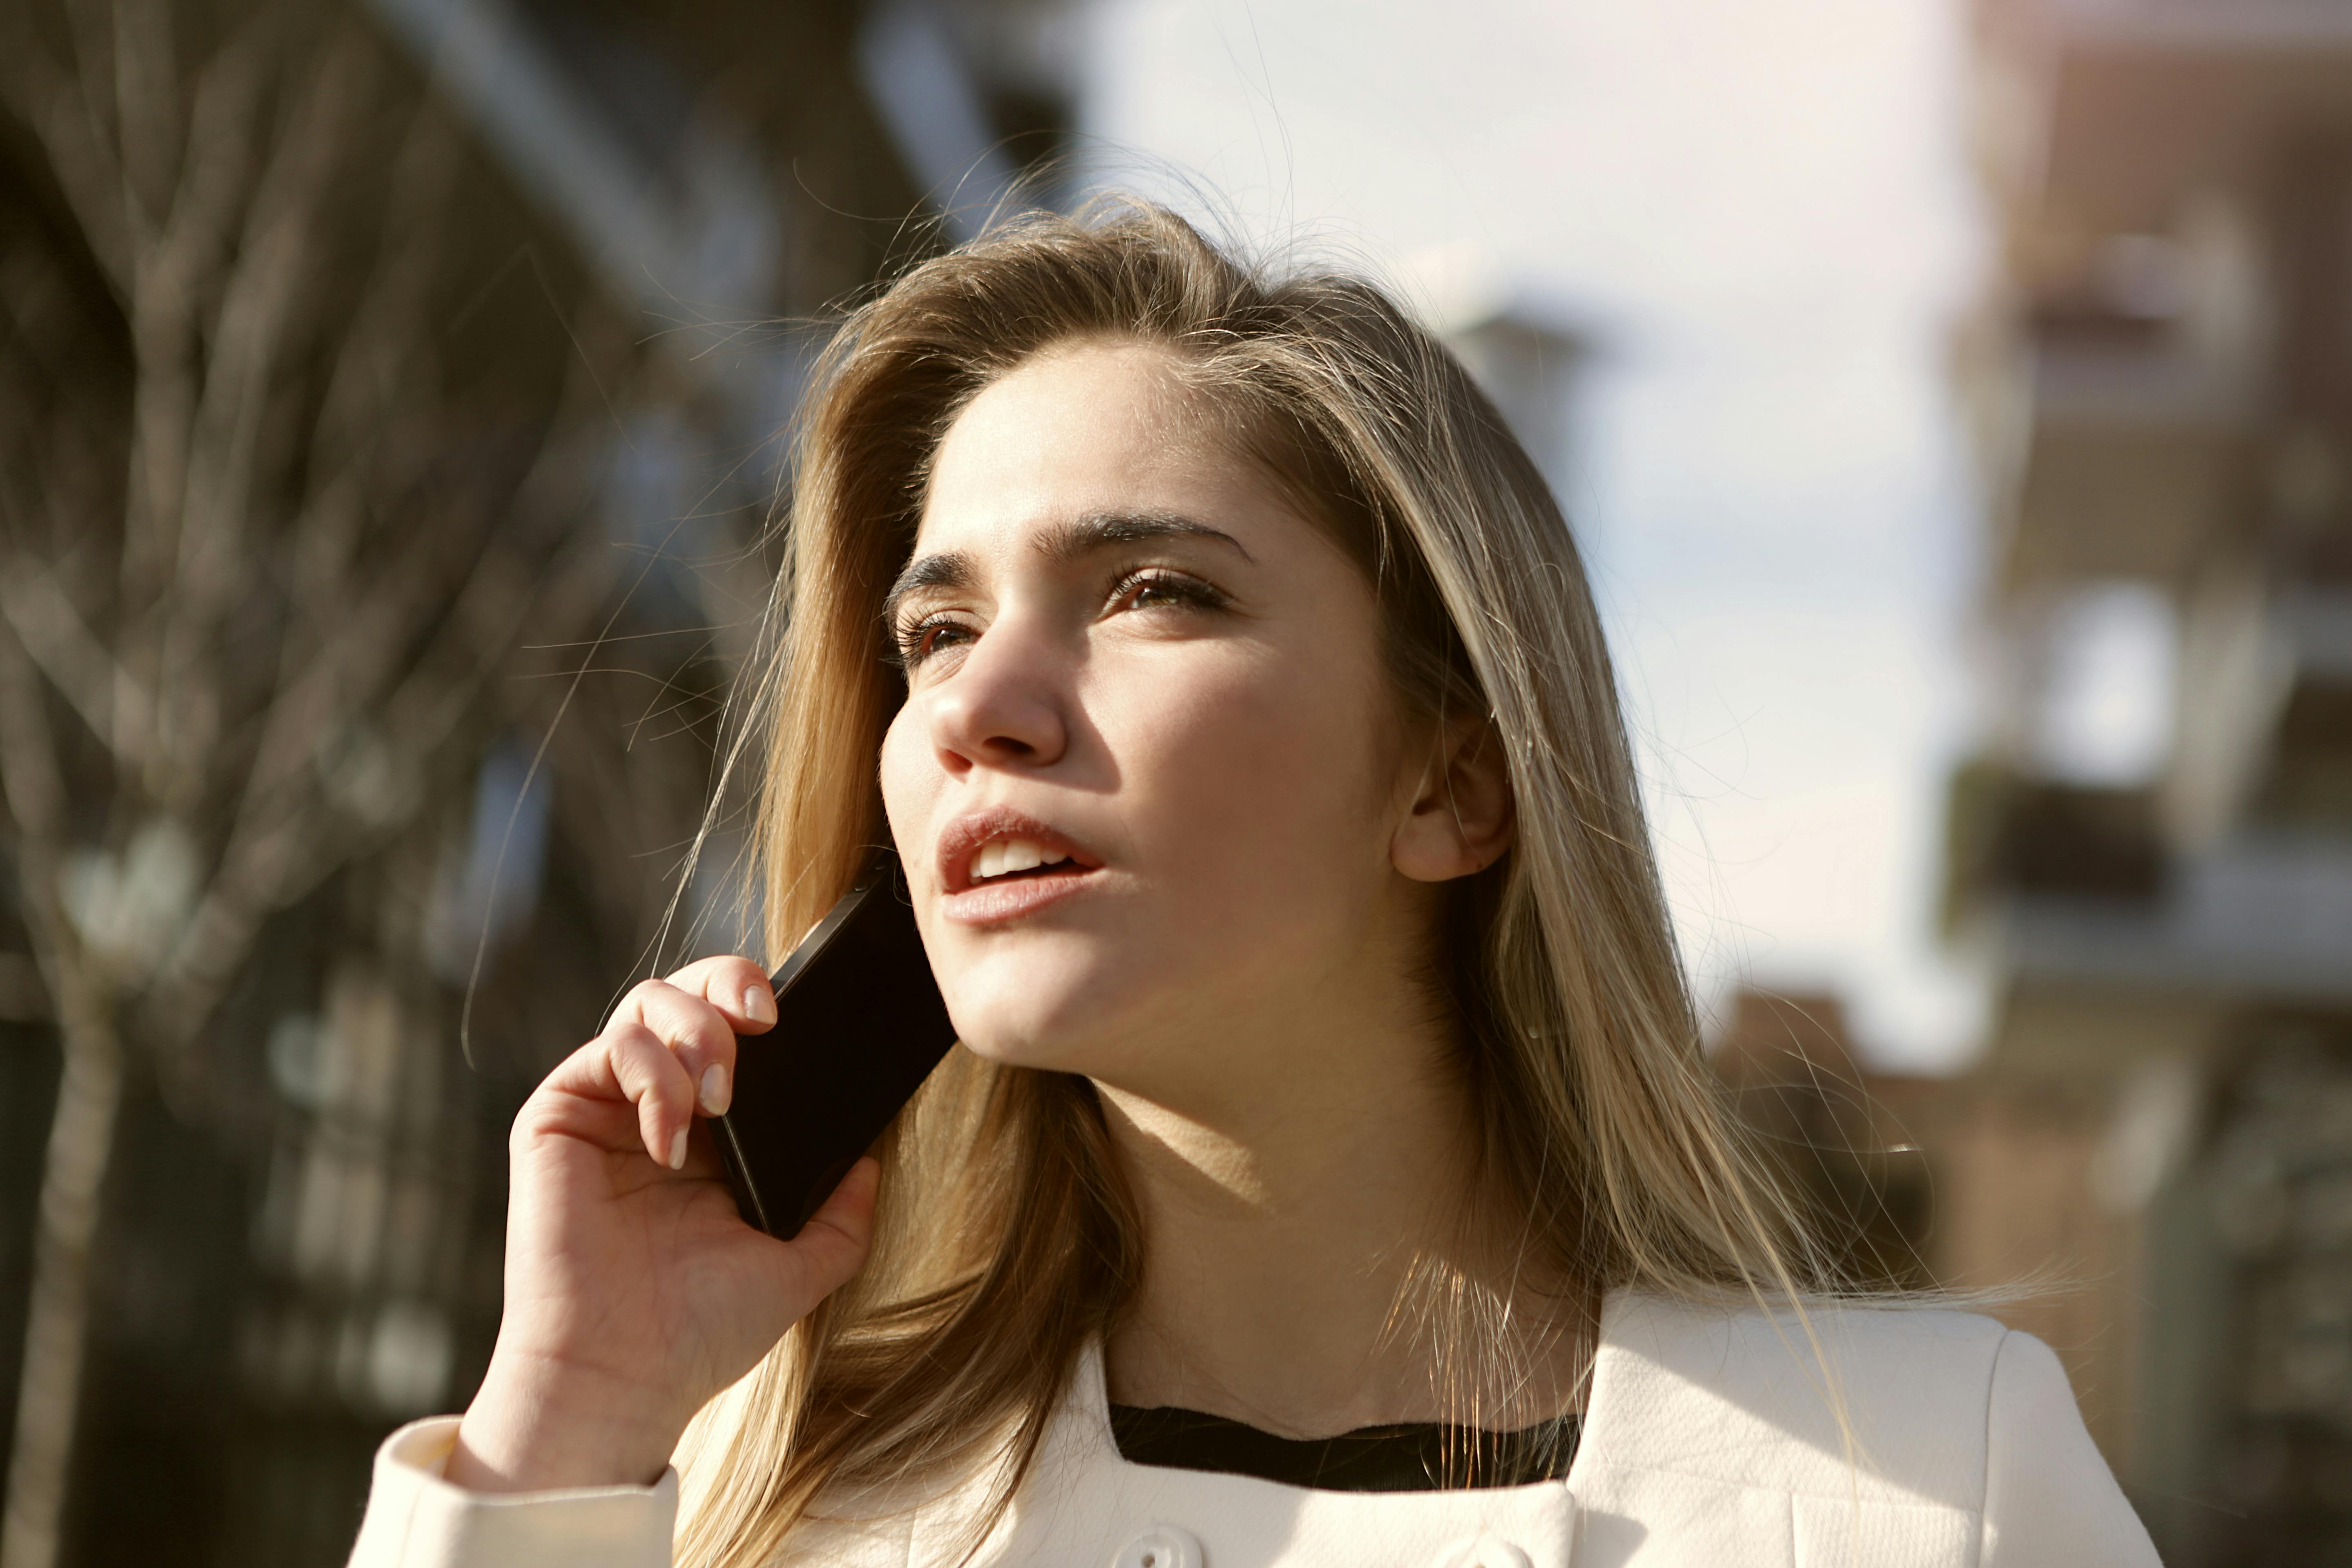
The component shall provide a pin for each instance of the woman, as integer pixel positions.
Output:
(1226, 678)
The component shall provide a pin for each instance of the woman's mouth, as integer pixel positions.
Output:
(997, 865)
(995, 861)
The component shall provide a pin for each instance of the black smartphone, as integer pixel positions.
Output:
(859, 1024)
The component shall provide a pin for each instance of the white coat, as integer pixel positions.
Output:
(1707, 1443)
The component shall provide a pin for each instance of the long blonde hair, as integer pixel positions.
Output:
(1005, 1238)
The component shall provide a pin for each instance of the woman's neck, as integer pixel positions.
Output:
(1308, 1245)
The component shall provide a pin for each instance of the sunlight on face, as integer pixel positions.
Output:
(1149, 767)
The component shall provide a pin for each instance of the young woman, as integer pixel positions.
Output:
(1329, 1172)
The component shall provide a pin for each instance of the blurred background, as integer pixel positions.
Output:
(1953, 398)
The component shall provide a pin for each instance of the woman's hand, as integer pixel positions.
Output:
(633, 1292)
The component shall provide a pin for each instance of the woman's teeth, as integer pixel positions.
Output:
(1012, 854)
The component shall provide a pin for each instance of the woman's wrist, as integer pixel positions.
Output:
(538, 1423)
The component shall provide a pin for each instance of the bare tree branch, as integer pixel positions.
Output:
(161, 287)
(81, 1131)
(147, 115)
(44, 94)
(268, 566)
(30, 779)
(109, 698)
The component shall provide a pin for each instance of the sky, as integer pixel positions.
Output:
(1759, 213)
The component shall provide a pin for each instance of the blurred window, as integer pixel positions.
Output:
(2110, 668)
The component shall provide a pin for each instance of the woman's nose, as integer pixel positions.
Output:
(1004, 706)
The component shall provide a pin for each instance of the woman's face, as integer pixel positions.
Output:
(1150, 779)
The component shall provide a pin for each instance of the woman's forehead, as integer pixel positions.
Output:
(1099, 431)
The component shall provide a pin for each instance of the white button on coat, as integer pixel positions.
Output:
(1166, 1546)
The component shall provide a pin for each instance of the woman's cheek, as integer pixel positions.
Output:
(1241, 765)
(909, 780)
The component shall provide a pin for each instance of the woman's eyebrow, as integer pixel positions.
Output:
(1069, 541)
(948, 569)
(1062, 544)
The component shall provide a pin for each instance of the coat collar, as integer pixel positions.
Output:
(1708, 1428)
(1084, 1502)
(1621, 1358)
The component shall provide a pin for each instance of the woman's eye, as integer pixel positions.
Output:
(919, 641)
(1158, 589)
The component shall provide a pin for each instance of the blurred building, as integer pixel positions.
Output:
(1974, 1183)
(2155, 849)
(1529, 352)
(1851, 1142)
(646, 207)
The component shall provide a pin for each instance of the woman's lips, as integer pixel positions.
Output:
(1010, 898)
(1052, 865)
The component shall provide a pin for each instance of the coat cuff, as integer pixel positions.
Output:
(416, 1519)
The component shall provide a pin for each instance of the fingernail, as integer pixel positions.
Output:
(714, 1090)
(758, 1006)
(677, 1151)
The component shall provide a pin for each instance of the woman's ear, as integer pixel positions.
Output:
(1462, 817)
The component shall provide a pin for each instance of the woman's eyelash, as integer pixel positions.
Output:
(909, 644)
(1181, 586)
(910, 641)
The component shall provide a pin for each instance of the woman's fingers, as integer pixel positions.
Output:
(833, 1243)
(736, 987)
(657, 1083)
(700, 1010)
(668, 1051)
(701, 1035)
(627, 1066)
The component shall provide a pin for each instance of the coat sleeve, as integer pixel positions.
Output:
(418, 1519)
(2050, 1499)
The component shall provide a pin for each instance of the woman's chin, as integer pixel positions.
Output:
(1036, 983)
(1037, 1026)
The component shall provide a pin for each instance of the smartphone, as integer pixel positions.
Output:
(859, 1024)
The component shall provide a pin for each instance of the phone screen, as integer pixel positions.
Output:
(859, 1024)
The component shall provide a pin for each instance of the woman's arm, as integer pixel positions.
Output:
(416, 1519)
(634, 1293)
